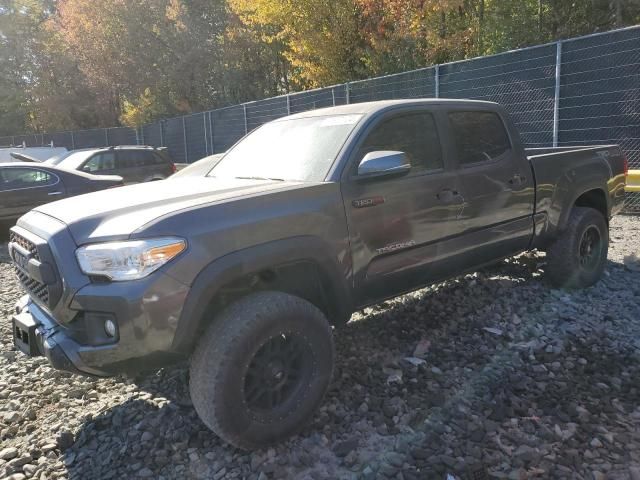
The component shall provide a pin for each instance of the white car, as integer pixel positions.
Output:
(37, 153)
(199, 168)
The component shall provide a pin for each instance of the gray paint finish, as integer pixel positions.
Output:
(351, 241)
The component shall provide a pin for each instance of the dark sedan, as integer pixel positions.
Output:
(24, 186)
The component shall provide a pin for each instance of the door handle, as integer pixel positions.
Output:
(517, 180)
(447, 195)
(51, 194)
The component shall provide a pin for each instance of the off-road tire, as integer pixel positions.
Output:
(223, 358)
(564, 268)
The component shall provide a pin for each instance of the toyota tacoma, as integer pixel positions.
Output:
(246, 270)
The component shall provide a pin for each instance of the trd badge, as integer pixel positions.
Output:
(367, 202)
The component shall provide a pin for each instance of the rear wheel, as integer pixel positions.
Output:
(578, 256)
(262, 368)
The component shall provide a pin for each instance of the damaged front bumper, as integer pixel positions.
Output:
(35, 334)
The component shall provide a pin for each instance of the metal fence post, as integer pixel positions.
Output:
(244, 108)
(13, 140)
(437, 81)
(42, 139)
(556, 97)
(184, 140)
(288, 104)
(142, 141)
(73, 141)
(333, 96)
(213, 142)
(160, 124)
(206, 142)
(106, 137)
(347, 93)
(137, 138)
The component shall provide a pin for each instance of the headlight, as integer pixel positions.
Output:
(128, 260)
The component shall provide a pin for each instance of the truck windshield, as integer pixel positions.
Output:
(297, 149)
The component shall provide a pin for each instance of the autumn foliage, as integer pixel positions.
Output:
(83, 63)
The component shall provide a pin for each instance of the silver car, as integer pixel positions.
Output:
(134, 163)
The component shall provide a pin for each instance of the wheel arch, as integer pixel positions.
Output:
(595, 198)
(153, 178)
(591, 194)
(301, 266)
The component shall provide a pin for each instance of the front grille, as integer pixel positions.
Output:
(24, 243)
(31, 285)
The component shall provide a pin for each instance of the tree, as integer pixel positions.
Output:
(19, 23)
(70, 64)
(320, 38)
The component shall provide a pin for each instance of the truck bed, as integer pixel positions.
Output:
(557, 169)
(544, 151)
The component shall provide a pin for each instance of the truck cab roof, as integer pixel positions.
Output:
(367, 108)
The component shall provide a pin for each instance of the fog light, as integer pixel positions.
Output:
(110, 328)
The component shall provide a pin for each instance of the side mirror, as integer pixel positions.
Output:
(383, 163)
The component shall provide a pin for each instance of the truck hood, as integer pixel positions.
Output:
(117, 213)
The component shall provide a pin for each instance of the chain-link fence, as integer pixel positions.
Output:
(581, 91)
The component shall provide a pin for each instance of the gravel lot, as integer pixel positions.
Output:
(491, 373)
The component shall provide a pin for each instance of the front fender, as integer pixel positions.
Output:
(255, 259)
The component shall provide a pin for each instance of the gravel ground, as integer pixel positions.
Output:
(490, 375)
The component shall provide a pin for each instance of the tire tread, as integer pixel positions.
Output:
(561, 269)
(209, 360)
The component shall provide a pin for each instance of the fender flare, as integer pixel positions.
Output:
(241, 263)
(571, 185)
(566, 209)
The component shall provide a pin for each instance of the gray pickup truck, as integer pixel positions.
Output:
(244, 271)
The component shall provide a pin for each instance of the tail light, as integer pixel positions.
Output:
(173, 167)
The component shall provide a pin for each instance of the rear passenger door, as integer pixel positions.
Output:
(496, 183)
(130, 165)
(139, 165)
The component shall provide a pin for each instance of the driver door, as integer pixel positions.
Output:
(397, 223)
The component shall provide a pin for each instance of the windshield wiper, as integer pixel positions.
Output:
(261, 178)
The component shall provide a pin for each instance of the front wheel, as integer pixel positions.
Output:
(262, 368)
(578, 256)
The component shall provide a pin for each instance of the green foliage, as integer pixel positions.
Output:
(145, 109)
(83, 63)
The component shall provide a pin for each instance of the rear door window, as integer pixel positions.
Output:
(132, 158)
(18, 178)
(478, 136)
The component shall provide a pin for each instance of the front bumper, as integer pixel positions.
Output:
(63, 317)
(35, 334)
(146, 313)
